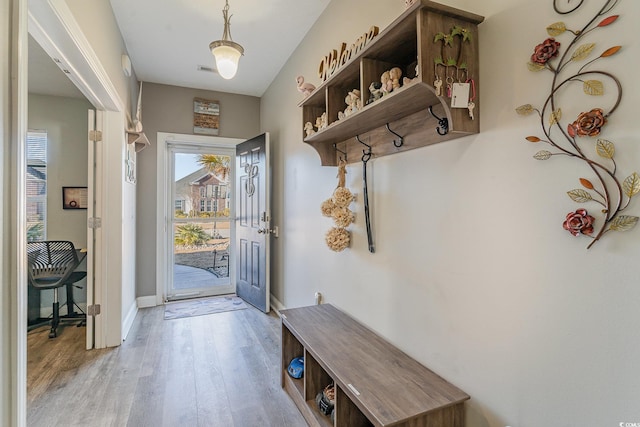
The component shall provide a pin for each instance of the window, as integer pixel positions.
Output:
(36, 185)
(180, 205)
(208, 205)
(201, 205)
(203, 192)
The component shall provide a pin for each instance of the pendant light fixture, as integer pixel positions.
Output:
(226, 51)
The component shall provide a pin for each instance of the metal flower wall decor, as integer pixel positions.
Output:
(581, 138)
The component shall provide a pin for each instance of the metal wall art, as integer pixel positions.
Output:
(581, 136)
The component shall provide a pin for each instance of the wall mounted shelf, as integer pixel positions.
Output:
(139, 139)
(406, 42)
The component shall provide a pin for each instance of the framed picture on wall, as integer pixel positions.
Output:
(74, 197)
(206, 117)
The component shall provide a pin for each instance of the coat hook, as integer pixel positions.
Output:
(366, 155)
(335, 147)
(396, 142)
(443, 123)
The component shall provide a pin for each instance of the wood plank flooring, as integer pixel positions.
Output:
(215, 370)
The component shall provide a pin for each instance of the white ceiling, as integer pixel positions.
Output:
(167, 43)
(168, 40)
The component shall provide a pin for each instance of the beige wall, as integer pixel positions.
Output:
(473, 274)
(170, 109)
(98, 24)
(65, 121)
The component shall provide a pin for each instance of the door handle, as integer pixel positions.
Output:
(265, 231)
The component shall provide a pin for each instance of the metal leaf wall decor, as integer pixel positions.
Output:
(570, 62)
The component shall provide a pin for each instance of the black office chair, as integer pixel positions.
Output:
(52, 265)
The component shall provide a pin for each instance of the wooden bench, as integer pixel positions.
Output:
(375, 383)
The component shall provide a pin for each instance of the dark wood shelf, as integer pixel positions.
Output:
(406, 43)
(400, 103)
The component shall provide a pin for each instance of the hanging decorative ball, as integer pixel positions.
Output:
(343, 217)
(342, 197)
(338, 239)
(327, 207)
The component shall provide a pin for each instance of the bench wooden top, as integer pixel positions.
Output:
(385, 383)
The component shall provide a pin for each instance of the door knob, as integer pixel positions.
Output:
(273, 231)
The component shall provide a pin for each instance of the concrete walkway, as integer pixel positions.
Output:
(185, 277)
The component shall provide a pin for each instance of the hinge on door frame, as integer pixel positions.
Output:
(93, 310)
(95, 135)
(94, 223)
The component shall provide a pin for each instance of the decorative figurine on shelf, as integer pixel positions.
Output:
(323, 121)
(353, 101)
(407, 80)
(408, 3)
(308, 128)
(374, 92)
(347, 100)
(357, 101)
(304, 88)
(387, 84)
(394, 75)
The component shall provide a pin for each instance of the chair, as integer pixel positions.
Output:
(52, 265)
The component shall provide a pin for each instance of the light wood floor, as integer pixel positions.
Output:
(215, 370)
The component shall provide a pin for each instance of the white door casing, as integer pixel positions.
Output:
(92, 213)
(163, 207)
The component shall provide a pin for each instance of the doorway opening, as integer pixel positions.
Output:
(201, 198)
(196, 209)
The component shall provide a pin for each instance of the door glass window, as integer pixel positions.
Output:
(200, 232)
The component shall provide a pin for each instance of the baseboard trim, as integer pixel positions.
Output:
(128, 320)
(145, 302)
(276, 305)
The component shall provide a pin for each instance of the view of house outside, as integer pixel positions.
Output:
(202, 197)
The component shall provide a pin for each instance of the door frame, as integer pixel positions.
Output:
(52, 24)
(56, 30)
(163, 190)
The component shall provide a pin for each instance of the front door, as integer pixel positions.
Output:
(253, 221)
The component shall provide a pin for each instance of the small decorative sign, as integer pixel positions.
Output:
(334, 60)
(206, 117)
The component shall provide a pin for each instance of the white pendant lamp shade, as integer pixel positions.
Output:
(227, 55)
(226, 51)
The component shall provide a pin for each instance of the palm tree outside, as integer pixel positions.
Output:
(219, 165)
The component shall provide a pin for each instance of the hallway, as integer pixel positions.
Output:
(215, 370)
